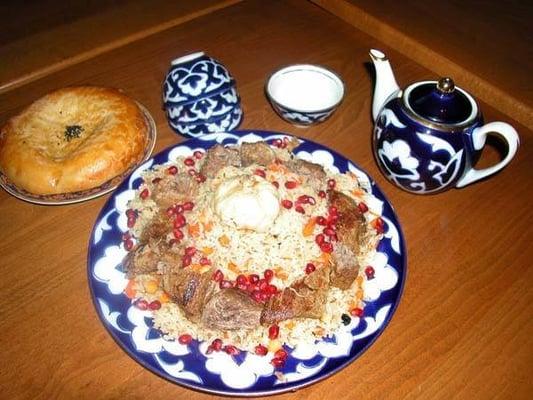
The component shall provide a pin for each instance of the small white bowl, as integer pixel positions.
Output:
(304, 94)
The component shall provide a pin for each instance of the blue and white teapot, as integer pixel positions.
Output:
(428, 137)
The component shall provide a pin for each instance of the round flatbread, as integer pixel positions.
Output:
(73, 139)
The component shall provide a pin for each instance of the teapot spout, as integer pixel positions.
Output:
(385, 82)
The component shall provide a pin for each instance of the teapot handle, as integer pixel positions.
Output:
(479, 136)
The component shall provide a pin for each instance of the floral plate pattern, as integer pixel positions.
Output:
(245, 374)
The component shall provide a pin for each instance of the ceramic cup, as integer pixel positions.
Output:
(304, 94)
(200, 96)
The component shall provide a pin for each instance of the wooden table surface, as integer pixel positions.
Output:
(463, 327)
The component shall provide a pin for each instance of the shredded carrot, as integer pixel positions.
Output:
(208, 226)
(280, 274)
(130, 289)
(290, 325)
(151, 286)
(276, 167)
(324, 258)
(196, 267)
(358, 192)
(194, 229)
(208, 250)
(224, 240)
(164, 297)
(359, 295)
(274, 345)
(309, 227)
(233, 268)
(359, 280)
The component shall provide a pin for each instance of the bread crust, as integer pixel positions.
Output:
(72, 139)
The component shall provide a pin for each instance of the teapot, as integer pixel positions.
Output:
(428, 136)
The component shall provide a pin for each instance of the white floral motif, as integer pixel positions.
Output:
(400, 150)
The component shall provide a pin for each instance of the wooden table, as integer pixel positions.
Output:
(463, 328)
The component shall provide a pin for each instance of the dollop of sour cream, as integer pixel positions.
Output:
(247, 202)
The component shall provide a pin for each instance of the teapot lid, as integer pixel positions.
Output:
(441, 103)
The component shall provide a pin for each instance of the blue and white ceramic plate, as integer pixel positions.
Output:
(246, 374)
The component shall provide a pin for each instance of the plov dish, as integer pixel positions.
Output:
(246, 254)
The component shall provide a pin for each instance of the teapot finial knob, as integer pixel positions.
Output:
(445, 85)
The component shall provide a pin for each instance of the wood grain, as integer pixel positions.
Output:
(44, 37)
(483, 46)
(463, 327)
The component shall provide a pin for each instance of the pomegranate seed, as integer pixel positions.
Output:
(276, 184)
(273, 332)
(322, 194)
(369, 272)
(178, 209)
(190, 251)
(131, 222)
(328, 231)
(332, 219)
(320, 238)
(188, 206)
(155, 181)
(357, 312)
(311, 200)
(261, 350)
(200, 178)
(126, 236)
(263, 296)
(263, 284)
(144, 194)
(254, 278)
(131, 213)
(128, 244)
(277, 362)
(189, 162)
(332, 210)
(231, 350)
(225, 284)
(291, 184)
(326, 247)
(285, 142)
(179, 221)
(178, 234)
(299, 209)
(310, 268)
(170, 211)
(186, 261)
(260, 172)
(379, 224)
(303, 199)
(271, 289)
(209, 349)
(241, 280)
(141, 304)
(154, 305)
(287, 204)
(185, 339)
(218, 276)
(242, 286)
(198, 154)
(331, 183)
(191, 172)
(320, 220)
(256, 295)
(362, 207)
(277, 142)
(268, 274)
(216, 344)
(205, 261)
(281, 354)
(172, 170)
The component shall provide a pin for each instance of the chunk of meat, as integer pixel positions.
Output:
(305, 298)
(256, 153)
(231, 309)
(345, 267)
(189, 289)
(314, 173)
(351, 225)
(157, 228)
(173, 189)
(218, 157)
(145, 258)
(350, 229)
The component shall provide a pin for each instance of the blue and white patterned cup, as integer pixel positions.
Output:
(200, 96)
